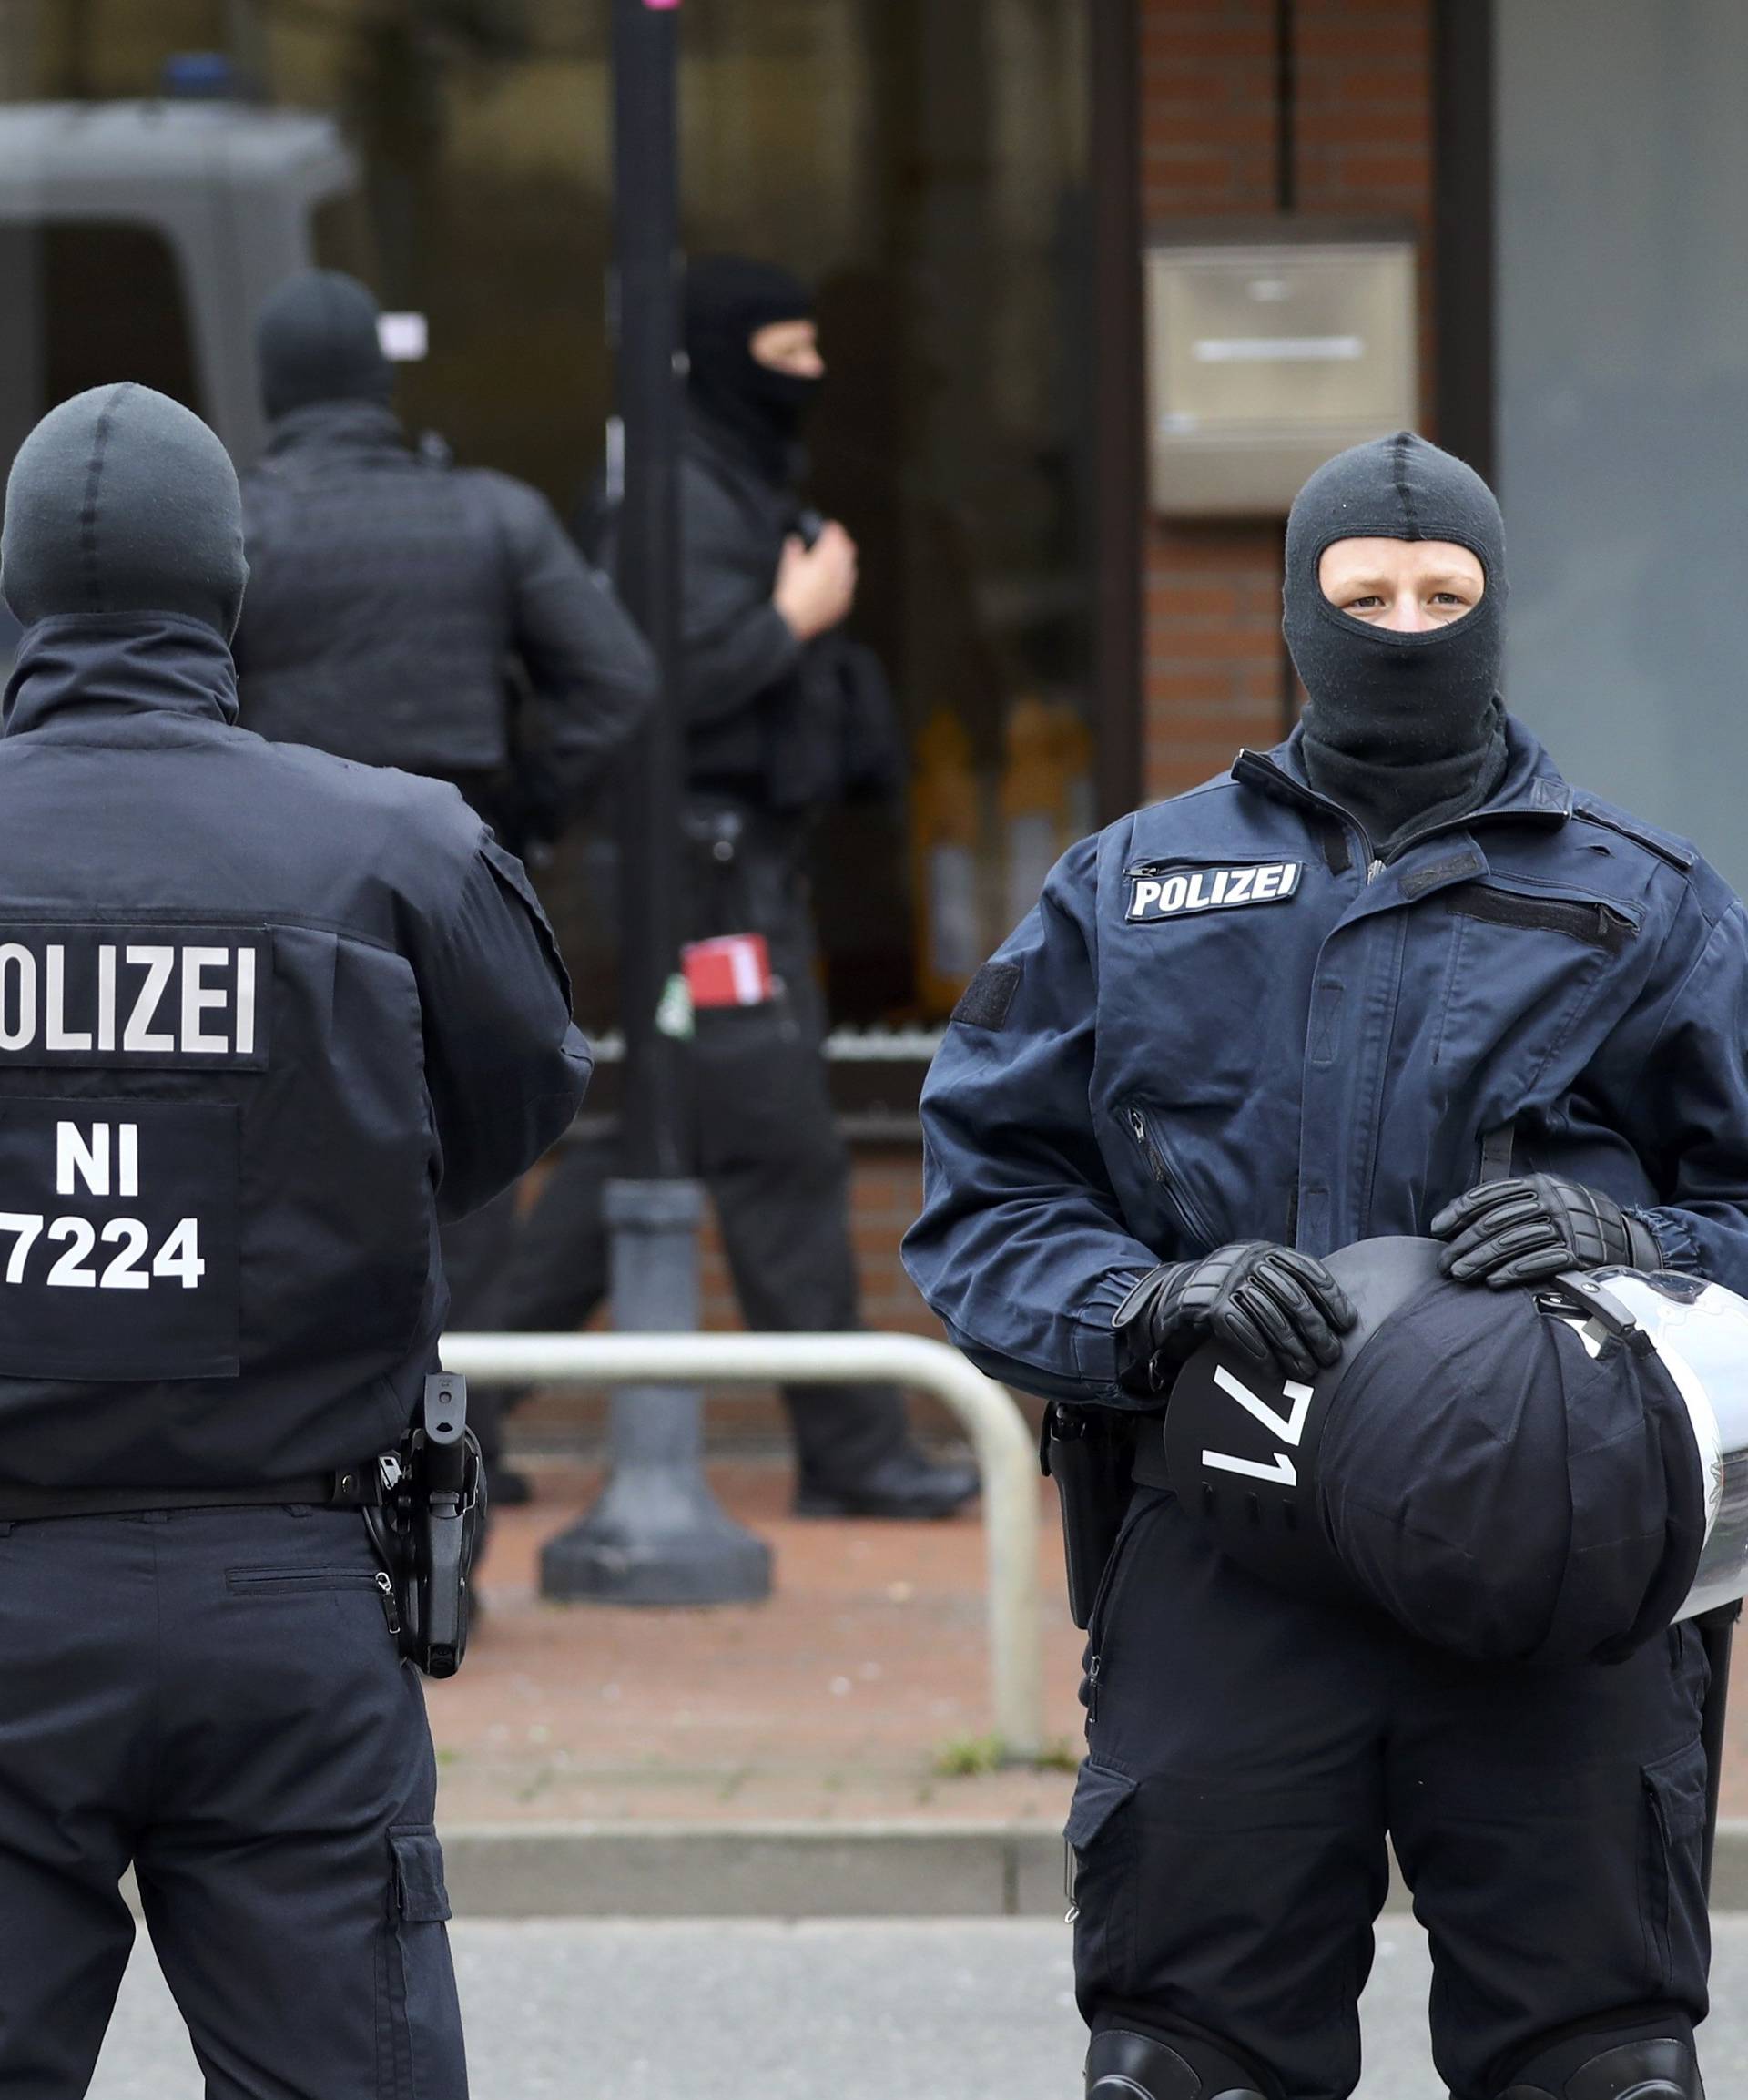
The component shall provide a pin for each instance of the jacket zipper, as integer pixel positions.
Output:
(1144, 1137)
(1159, 1169)
(1368, 859)
(1597, 924)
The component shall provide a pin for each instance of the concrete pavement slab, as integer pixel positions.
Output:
(915, 1869)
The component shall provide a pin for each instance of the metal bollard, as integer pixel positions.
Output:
(1007, 1455)
(657, 1535)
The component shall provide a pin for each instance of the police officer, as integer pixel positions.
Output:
(265, 1015)
(405, 612)
(1395, 977)
(783, 717)
(400, 608)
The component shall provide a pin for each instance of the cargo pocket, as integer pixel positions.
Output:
(420, 2055)
(1099, 1878)
(1676, 1936)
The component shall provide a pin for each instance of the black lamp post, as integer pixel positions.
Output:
(657, 1535)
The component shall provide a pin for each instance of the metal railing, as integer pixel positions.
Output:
(875, 1046)
(1007, 1457)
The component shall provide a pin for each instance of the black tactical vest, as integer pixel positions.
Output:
(379, 611)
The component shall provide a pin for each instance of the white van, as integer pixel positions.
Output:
(137, 240)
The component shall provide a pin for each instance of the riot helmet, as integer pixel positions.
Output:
(1550, 1474)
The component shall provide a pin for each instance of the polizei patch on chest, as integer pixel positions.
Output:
(1179, 893)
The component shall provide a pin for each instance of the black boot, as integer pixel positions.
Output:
(904, 1484)
(1652, 2067)
(1123, 2065)
(506, 1488)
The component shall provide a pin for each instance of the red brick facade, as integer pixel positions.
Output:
(1361, 124)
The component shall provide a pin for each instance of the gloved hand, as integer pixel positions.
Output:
(1268, 1302)
(1522, 1230)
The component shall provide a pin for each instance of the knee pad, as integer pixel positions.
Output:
(1124, 2066)
(1654, 2067)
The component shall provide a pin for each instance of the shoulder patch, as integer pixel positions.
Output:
(986, 1001)
(1161, 891)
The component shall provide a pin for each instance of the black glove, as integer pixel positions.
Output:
(1265, 1301)
(1519, 1232)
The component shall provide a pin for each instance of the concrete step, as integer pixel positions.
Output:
(872, 1869)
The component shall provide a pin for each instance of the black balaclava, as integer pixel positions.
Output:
(728, 299)
(1404, 731)
(121, 501)
(316, 338)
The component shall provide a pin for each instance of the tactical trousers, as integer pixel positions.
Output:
(765, 1144)
(1248, 1751)
(215, 1697)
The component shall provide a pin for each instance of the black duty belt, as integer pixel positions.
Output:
(356, 1488)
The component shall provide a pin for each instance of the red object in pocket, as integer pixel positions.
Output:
(732, 970)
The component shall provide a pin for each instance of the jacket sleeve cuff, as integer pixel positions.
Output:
(1099, 1355)
(779, 646)
(1674, 1237)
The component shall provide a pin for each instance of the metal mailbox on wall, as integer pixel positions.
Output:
(1265, 359)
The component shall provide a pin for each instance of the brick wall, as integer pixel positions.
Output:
(1362, 127)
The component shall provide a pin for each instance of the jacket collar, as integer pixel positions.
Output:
(80, 671)
(336, 426)
(1531, 786)
(731, 453)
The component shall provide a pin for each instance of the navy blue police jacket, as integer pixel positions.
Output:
(1224, 1020)
(265, 1015)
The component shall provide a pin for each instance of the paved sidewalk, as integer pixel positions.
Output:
(832, 1703)
(790, 1759)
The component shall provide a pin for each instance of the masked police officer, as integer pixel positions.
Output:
(407, 612)
(410, 613)
(783, 718)
(1395, 977)
(265, 1015)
